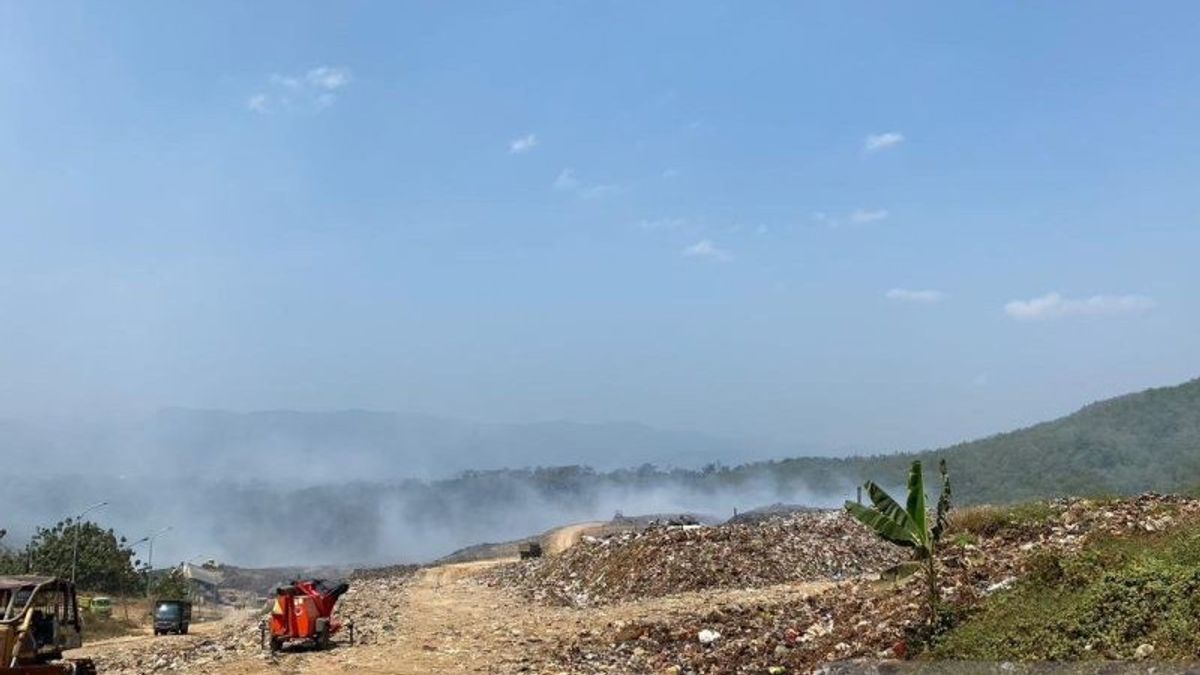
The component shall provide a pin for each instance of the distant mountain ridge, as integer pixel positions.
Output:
(1147, 441)
(1144, 441)
(330, 446)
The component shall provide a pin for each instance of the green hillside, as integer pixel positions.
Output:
(1147, 441)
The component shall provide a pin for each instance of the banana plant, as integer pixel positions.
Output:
(909, 526)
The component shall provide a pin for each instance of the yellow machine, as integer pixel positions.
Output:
(39, 620)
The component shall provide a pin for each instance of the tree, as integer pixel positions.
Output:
(106, 562)
(172, 585)
(909, 526)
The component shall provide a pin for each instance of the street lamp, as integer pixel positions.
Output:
(150, 554)
(75, 543)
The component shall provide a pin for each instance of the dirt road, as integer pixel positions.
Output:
(445, 620)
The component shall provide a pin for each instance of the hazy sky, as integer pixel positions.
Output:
(858, 225)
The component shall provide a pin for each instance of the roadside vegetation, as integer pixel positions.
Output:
(1121, 597)
(909, 526)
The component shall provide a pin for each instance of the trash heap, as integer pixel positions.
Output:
(385, 572)
(859, 619)
(661, 560)
(370, 603)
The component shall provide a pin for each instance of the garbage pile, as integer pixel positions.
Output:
(662, 559)
(859, 619)
(385, 572)
(370, 603)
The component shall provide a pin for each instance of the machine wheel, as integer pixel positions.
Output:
(184, 630)
(276, 644)
(323, 637)
(83, 667)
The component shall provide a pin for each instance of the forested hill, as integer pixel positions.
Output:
(1149, 440)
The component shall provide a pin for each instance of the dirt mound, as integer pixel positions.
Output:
(860, 619)
(662, 560)
(777, 510)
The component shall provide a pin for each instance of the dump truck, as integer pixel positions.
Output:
(172, 616)
(39, 620)
(530, 549)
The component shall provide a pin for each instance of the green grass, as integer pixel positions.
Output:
(988, 521)
(1119, 593)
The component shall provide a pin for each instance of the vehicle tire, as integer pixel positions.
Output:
(184, 630)
(323, 637)
(276, 644)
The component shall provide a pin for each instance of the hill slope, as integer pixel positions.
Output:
(1139, 442)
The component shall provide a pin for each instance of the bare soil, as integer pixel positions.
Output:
(447, 619)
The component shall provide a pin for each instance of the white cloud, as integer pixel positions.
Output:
(855, 217)
(826, 220)
(877, 142)
(566, 180)
(863, 216)
(259, 103)
(523, 144)
(927, 297)
(312, 92)
(599, 190)
(328, 77)
(705, 249)
(1054, 305)
(663, 224)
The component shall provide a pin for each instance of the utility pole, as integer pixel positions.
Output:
(75, 543)
(150, 554)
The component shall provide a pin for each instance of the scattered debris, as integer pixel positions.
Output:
(861, 621)
(665, 559)
(237, 638)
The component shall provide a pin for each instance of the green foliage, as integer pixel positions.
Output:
(171, 586)
(1103, 602)
(909, 526)
(105, 562)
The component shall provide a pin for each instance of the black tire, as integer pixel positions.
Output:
(276, 644)
(184, 630)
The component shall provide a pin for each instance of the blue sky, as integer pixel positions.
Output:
(844, 225)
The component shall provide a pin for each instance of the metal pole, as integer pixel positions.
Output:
(149, 566)
(150, 554)
(75, 543)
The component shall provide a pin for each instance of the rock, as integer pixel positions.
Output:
(1143, 651)
(708, 637)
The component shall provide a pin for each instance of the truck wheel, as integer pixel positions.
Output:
(184, 630)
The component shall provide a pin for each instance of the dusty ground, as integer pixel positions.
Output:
(444, 620)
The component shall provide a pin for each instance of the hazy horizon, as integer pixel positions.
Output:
(759, 231)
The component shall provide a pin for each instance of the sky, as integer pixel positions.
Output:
(858, 226)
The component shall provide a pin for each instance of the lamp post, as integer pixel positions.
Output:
(75, 543)
(149, 539)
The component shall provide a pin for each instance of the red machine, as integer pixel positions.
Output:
(303, 611)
